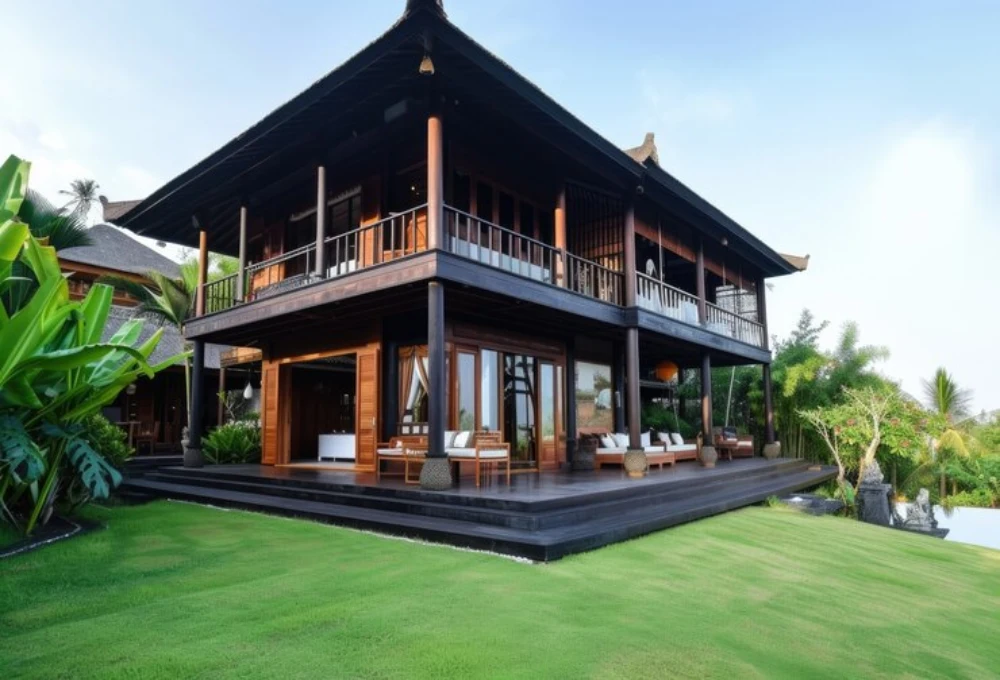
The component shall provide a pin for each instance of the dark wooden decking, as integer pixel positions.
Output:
(541, 516)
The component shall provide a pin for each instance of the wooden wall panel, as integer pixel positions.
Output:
(368, 406)
(269, 412)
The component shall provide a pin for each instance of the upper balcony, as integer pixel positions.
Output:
(404, 235)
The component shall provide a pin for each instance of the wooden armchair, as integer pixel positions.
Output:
(731, 445)
(397, 449)
(148, 433)
(487, 448)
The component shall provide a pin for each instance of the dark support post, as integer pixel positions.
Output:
(633, 405)
(762, 308)
(436, 473)
(618, 376)
(708, 452)
(192, 454)
(435, 182)
(390, 389)
(241, 273)
(570, 401)
(220, 416)
(699, 269)
(199, 299)
(321, 221)
(630, 267)
(769, 437)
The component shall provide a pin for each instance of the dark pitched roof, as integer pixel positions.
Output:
(171, 343)
(115, 209)
(425, 24)
(112, 248)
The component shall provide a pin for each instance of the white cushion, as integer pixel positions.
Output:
(621, 439)
(676, 439)
(461, 439)
(397, 451)
(461, 452)
(644, 440)
(612, 451)
(608, 442)
(744, 445)
(663, 437)
(653, 449)
(493, 453)
(673, 448)
(449, 438)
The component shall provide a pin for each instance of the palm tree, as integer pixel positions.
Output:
(83, 196)
(49, 225)
(947, 399)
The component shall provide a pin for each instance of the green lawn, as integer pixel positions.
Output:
(173, 590)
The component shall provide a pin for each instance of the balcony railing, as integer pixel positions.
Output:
(664, 299)
(481, 241)
(490, 244)
(724, 322)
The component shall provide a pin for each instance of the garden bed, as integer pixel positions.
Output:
(58, 529)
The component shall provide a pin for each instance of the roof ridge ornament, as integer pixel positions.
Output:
(435, 6)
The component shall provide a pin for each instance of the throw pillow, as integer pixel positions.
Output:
(677, 439)
(608, 442)
(462, 440)
(621, 440)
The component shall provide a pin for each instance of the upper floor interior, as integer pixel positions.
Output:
(424, 141)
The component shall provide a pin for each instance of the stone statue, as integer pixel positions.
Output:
(920, 515)
(873, 496)
(872, 474)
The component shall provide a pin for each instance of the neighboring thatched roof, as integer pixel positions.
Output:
(115, 209)
(171, 343)
(112, 248)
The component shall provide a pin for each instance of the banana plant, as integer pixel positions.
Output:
(55, 371)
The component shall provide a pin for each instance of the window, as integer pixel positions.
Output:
(594, 396)
(484, 201)
(489, 409)
(505, 209)
(466, 391)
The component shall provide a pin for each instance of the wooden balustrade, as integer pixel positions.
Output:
(724, 322)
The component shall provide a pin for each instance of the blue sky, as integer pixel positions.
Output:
(864, 134)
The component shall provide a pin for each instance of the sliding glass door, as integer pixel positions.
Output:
(520, 400)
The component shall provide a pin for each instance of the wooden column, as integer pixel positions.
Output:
(633, 405)
(241, 273)
(706, 398)
(630, 278)
(699, 269)
(570, 401)
(192, 455)
(220, 417)
(199, 298)
(436, 375)
(762, 308)
(321, 221)
(435, 182)
(559, 221)
(769, 437)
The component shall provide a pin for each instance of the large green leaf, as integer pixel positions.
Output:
(20, 336)
(18, 452)
(96, 473)
(13, 186)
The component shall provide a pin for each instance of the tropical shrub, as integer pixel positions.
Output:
(660, 419)
(233, 443)
(55, 372)
(109, 440)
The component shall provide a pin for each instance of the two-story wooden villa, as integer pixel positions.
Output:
(429, 243)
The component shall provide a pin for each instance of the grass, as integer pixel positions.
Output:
(174, 590)
(8, 536)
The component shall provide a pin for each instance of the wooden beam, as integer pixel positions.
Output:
(699, 272)
(570, 400)
(762, 308)
(630, 280)
(241, 273)
(435, 182)
(321, 221)
(192, 455)
(199, 301)
(706, 398)
(559, 223)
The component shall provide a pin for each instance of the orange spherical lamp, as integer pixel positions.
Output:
(666, 371)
